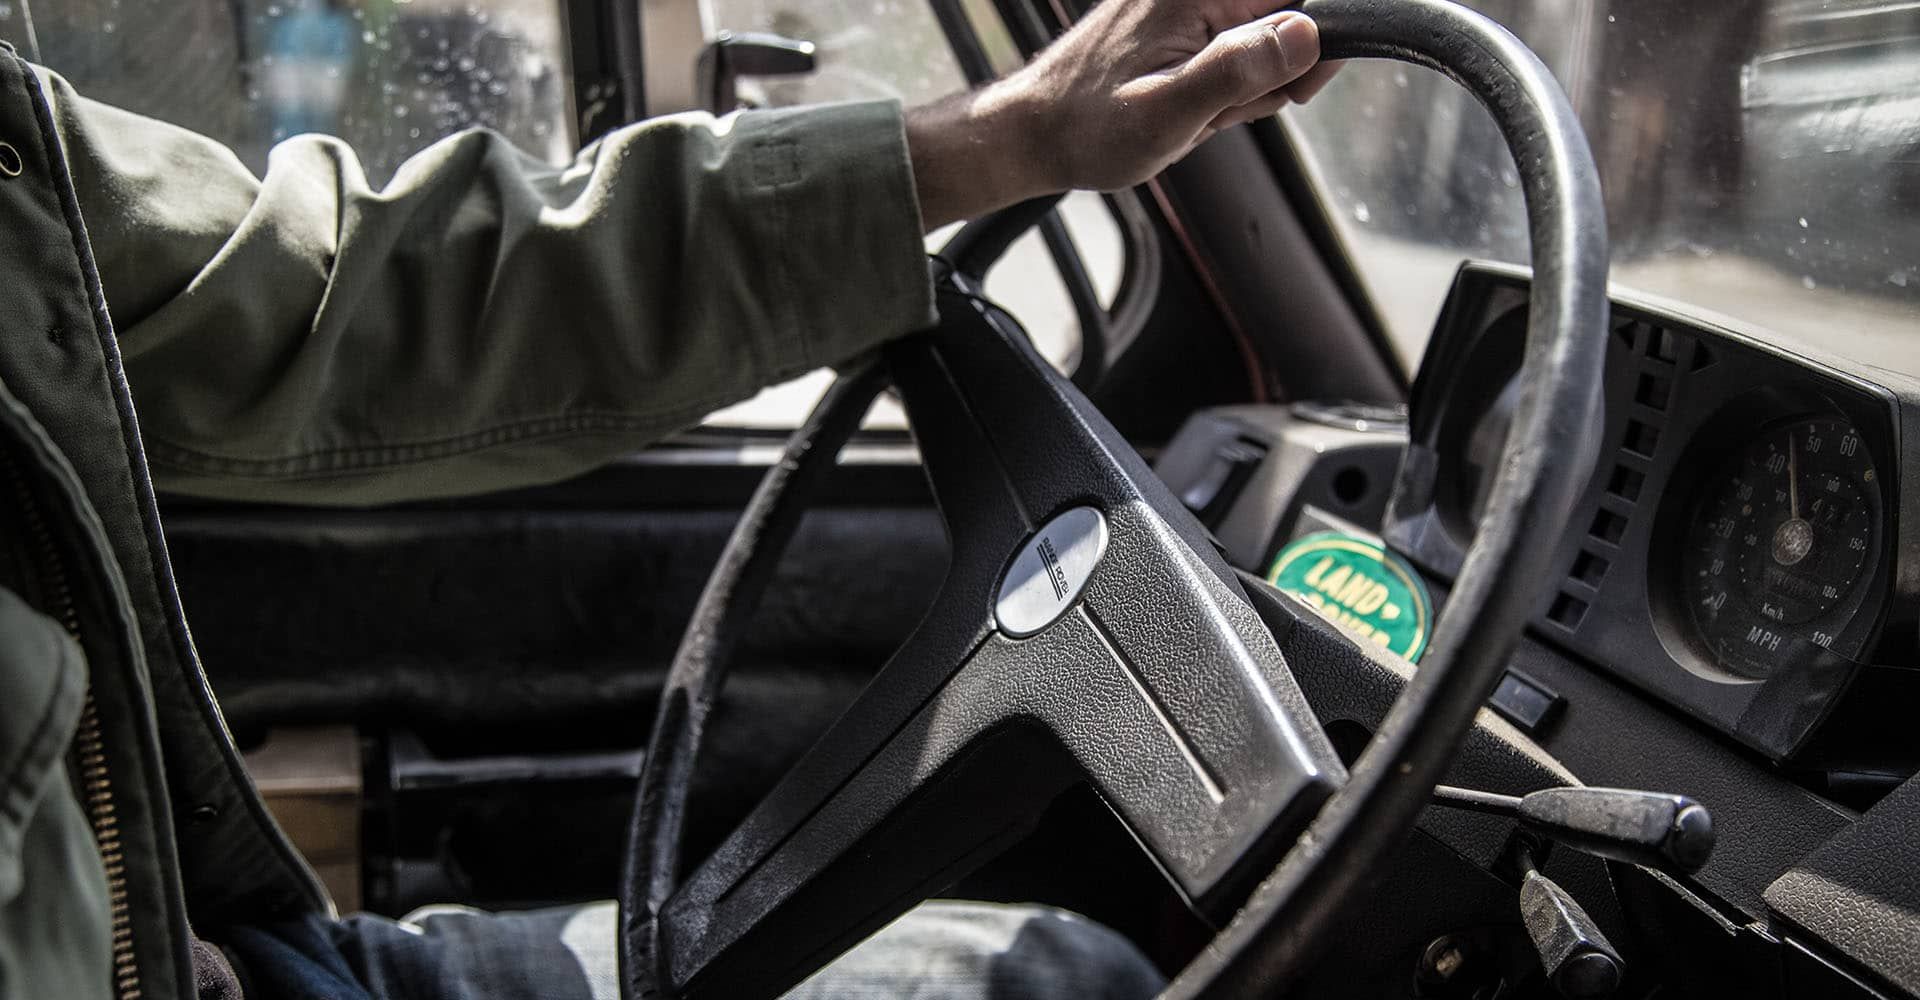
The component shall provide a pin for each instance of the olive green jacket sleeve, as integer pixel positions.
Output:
(485, 320)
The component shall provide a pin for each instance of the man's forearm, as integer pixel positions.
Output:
(481, 322)
(973, 153)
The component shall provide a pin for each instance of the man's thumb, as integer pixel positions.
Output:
(1248, 62)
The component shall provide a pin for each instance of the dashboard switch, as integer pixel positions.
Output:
(1226, 473)
(1525, 702)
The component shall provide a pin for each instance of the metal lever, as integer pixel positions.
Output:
(1578, 959)
(734, 54)
(1668, 832)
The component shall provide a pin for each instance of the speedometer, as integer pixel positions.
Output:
(1778, 542)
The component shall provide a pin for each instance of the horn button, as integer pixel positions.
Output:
(1049, 571)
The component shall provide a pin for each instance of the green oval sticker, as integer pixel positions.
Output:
(1357, 583)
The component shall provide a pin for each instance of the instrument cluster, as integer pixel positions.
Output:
(1738, 551)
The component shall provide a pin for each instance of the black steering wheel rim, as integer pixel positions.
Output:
(1270, 937)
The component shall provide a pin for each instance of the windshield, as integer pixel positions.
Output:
(1761, 159)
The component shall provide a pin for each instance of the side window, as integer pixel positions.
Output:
(389, 76)
(393, 76)
(864, 49)
(869, 49)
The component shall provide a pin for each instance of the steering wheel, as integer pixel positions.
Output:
(1087, 630)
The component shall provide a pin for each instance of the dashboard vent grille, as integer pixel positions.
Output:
(1589, 568)
(1567, 611)
(1657, 360)
(1653, 391)
(1625, 483)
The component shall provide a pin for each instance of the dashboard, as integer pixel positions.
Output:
(1732, 613)
(1740, 546)
(1743, 550)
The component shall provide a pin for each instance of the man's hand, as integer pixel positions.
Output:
(1130, 89)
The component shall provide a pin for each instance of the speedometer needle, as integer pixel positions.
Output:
(1793, 478)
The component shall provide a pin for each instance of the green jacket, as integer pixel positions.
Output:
(486, 320)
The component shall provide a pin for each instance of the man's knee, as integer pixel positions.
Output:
(983, 951)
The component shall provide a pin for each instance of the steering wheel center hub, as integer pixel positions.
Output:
(1050, 570)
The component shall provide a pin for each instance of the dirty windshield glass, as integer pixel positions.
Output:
(388, 76)
(1761, 159)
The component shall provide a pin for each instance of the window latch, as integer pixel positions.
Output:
(734, 54)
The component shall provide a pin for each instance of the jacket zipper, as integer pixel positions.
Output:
(96, 784)
(95, 778)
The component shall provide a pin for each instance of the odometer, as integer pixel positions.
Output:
(1779, 540)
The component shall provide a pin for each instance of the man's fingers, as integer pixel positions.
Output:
(1246, 63)
(1303, 89)
(1253, 110)
(1224, 14)
(1299, 91)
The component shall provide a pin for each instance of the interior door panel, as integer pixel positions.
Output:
(520, 640)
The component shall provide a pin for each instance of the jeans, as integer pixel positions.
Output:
(943, 950)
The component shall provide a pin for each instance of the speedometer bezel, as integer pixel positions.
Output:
(1736, 425)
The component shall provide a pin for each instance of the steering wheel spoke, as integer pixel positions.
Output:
(875, 817)
(1131, 662)
(982, 509)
